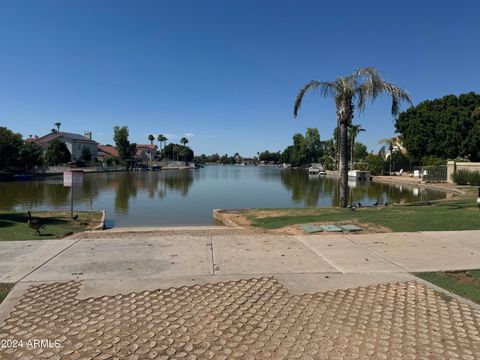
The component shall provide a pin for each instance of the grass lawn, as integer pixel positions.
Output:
(13, 225)
(458, 214)
(4, 290)
(463, 283)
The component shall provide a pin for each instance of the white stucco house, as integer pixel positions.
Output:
(75, 142)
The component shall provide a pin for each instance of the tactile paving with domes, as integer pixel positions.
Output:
(245, 319)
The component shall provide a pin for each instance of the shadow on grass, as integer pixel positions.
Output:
(10, 219)
(5, 223)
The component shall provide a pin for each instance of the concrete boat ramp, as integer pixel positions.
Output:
(312, 296)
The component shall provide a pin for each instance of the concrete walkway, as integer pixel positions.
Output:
(151, 255)
(97, 267)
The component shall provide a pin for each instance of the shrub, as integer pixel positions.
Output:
(433, 161)
(460, 177)
(374, 164)
(465, 177)
(361, 165)
(474, 178)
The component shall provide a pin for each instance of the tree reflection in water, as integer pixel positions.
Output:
(309, 190)
(188, 196)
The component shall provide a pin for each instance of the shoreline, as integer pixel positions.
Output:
(409, 181)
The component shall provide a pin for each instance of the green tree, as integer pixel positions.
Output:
(57, 125)
(85, 155)
(57, 153)
(9, 146)
(444, 127)
(353, 131)
(312, 145)
(363, 84)
(126, 150)
(374, 164)
(30, 155)
(172, 151)
(359, 151)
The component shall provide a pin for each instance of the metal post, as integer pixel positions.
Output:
(71, 200)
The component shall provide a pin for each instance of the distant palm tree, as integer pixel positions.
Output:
(184, 141)
(57, 125)
(362, 85)
(151, 138)
(389, 144)
(354, 130)
(161, 138)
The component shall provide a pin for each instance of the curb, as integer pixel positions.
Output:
(102, 222)
(218, 214)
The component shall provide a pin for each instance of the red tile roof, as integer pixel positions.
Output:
(109, 150)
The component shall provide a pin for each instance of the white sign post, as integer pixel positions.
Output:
(72, 178)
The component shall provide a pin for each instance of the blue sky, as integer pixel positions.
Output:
(225, 72)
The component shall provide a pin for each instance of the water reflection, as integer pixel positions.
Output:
(188, 197)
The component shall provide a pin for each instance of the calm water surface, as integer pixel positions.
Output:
(175, 197)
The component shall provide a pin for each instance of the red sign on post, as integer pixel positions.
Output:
(72, 178)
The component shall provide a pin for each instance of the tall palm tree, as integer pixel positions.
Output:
(362, 85)
(57, 125)
(354, 130)
(184, 141)
(161, 138)
(151, 138)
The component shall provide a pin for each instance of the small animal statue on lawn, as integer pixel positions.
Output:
(35, 224)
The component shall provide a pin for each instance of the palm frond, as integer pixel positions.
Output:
(373, 85)
(325, 88)
(398, 95)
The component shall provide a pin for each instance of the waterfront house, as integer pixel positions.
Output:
(146, 152)
(75, 143)
(107, 152)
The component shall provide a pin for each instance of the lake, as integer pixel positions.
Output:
(187, 197)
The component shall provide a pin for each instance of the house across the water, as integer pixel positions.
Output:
(75, 142)
(146, 152)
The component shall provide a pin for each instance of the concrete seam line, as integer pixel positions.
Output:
(339, 268)
(375, 253)
(45, 262)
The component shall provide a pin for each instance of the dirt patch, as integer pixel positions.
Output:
(287, 212)
(240, 219)
(464, 277)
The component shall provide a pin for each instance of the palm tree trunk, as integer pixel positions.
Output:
(343, 164)
(352, 143)
(339, 161)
